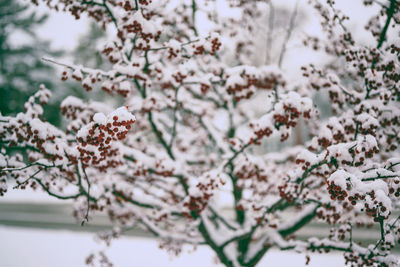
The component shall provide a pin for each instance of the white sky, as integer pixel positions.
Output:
(62, 29)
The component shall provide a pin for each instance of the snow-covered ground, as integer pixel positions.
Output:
(42, 248)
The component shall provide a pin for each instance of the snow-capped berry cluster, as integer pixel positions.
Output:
(242, 82)
(135, 22)
(96, 139)
(200, 193)
(27, 129)
(336, 191)
(340, 233)
(80, 113)
(286, 114)
(372, 195)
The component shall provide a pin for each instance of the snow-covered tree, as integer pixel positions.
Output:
(185, 157)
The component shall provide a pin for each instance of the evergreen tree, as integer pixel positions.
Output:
(21, 67)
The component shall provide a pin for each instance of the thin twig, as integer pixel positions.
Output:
(288, 34)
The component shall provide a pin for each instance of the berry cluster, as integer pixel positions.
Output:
(196, 205)
(95, 140)
(329, 213)
(336, 191)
